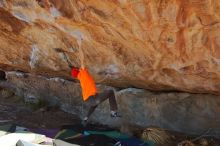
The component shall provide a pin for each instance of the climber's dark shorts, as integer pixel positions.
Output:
(97, 99)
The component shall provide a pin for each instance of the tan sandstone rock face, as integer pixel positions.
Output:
(151, 44)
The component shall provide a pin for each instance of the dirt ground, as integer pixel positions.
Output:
(14, 111)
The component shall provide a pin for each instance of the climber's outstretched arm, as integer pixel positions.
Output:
(81, 55)
(59, 50)
(67, 60)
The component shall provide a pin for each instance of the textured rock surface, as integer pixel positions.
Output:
(184, 112)
(151, 44)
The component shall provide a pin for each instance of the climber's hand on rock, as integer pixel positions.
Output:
(58, 50)
(70, 66)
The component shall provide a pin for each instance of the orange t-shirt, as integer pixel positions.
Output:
(87, 84)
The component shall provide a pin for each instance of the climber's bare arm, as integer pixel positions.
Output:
(81, 57)
(59, 50)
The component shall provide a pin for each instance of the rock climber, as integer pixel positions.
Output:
(89, 92)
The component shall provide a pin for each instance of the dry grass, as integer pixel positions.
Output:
(157, 135)
(4, 93)
(185, 143)
(203, 142)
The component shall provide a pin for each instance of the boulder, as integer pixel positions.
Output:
(178, 111)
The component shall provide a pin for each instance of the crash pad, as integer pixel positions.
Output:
(89, 127)
(58, 142)
(12, 138)
(47, 132)
(135, 142)
(112, 134)
(66, 133)
(94, 140)
(25, 143)
(6, 129)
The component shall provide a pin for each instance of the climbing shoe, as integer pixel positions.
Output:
(115, 114)
(84, 121)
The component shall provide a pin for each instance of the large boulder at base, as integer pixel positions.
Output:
(178, 111)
